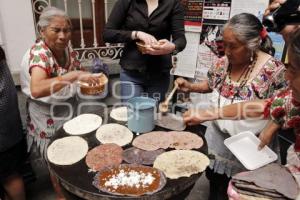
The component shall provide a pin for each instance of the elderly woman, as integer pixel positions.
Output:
(49, 68)
(283, 109)
(246, 72)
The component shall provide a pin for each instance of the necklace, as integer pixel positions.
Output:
(243, 79)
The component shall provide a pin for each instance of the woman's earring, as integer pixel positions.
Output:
(251, 57)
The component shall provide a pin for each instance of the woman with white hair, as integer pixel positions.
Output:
(49, 69)
(246, 72)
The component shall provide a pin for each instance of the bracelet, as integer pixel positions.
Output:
(136, 35)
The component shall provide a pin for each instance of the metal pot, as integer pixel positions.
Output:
(141, 112)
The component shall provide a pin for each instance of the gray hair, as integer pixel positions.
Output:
(294, 47)
(247, 29)
(48, 14)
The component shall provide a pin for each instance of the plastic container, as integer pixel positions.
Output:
(141, 111)
(245, 147)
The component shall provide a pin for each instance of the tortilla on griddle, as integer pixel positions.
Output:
(104, 156)
(181, 163)
(134, 155)
(152, 141)
(130, 180)
(67, 150)
(114, 133)
(185, 140)
(170, 121)
(82, 124)
(119, 114)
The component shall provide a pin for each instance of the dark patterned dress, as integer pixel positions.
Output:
(12, 143)
(10, 121)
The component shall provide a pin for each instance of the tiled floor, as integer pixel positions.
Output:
(41, 188)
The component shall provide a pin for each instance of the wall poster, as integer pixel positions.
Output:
(193, 15)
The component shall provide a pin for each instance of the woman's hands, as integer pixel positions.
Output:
(162, 47)
(41, 85)
(267, 134)
(86, 77)
(198, 116)
(183, 84)
(154, 47)
(146, 38)
(274, 5)
(91, 79)
(288, 29)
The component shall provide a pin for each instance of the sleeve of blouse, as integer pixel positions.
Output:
(210, 77)
(39, 58)
(279, 81)
(278, 109)
(177, 24)
(113, 29)
(270, 80)
(214, 73)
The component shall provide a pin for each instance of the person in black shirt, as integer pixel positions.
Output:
(152, 22)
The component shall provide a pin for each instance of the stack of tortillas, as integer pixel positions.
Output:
(114, 133)
(104, 156)
(67, 151)
(119, 114)
(83, 124)
(181, 163)
(162, 140)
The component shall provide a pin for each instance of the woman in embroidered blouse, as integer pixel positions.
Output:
(49, 68)
(247, 72)
(284, 108)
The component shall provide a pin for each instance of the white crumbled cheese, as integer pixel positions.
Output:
(148, 179)
(131, 179)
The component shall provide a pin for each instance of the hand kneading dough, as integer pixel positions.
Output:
(181, 163)
(67, 150)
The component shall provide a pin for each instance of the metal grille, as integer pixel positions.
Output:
(86, 52)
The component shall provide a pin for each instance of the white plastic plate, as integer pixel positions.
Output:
(245, 147)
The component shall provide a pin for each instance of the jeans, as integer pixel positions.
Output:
(151, 84)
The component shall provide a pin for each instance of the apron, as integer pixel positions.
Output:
(44, 119)
(223, 161)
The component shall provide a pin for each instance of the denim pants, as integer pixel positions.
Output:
(151, 84)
